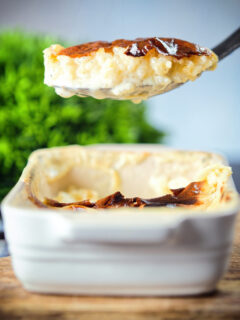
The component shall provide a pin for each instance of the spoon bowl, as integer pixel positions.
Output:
(144, 91)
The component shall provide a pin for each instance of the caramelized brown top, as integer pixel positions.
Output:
(179, 197)
(140, 47)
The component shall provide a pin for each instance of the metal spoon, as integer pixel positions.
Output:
(228, 45)
(145, 91)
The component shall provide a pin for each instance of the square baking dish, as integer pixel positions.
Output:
(156, 251)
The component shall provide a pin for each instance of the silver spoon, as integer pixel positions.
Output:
(222, 50)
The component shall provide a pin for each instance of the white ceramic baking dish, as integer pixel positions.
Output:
(152, 252)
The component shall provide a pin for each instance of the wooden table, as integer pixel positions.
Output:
(16, 303)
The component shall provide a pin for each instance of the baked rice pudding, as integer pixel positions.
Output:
(125, 69)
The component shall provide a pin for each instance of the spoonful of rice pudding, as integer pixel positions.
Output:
(129, 69)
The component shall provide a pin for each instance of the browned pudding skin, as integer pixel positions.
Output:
(140, 47)
(179, 197)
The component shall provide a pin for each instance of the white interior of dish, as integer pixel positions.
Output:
(139, 173)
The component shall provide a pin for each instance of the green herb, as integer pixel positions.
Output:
(32, 116)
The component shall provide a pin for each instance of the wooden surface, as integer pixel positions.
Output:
(16, 303)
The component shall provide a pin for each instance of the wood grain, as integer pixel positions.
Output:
(16, 303)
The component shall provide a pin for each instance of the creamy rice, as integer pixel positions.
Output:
(119, 76)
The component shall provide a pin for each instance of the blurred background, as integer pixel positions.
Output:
(201, 115)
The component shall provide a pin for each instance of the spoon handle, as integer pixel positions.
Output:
(228, 45)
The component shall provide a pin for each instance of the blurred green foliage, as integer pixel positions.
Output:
(32, 116)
